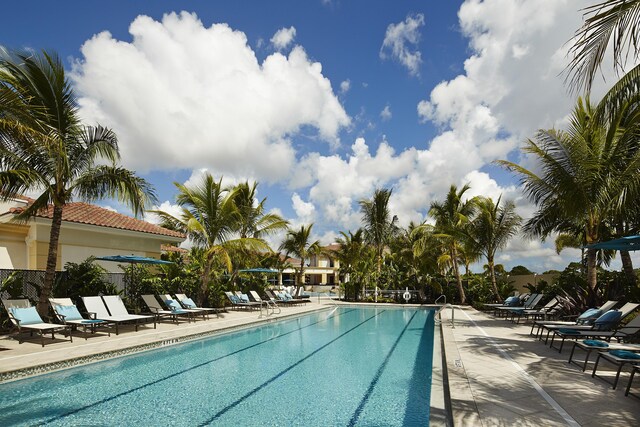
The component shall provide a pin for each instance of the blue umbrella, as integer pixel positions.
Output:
(629, 243)
(133, 259)
(258, 270)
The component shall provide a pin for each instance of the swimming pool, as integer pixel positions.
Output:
(345, 366)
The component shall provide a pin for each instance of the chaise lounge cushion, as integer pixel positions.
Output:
(188, 302)
(173, 305)
(70, 312)
(26, 316)
(512, 301)
(625, 354)
(592, 313)
(595, 343)
(568, 331)
(608, 320)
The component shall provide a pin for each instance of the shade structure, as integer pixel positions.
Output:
(258, 270)
(628, 243)
(132, 259)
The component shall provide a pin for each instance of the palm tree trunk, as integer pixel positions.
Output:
(492, 274)
(52, 258)
(456, 271)
(592, 278)
(204, 286)
(627, 267)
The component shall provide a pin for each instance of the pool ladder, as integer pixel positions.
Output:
(270, 308)
(442, 307)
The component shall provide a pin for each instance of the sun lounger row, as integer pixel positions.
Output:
(103, 311)
(239, 300)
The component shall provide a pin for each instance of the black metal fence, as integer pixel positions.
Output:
(32, 280)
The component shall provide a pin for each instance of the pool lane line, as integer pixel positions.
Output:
(376, 377)
(550, 400)
(281, 373)
(172, 376)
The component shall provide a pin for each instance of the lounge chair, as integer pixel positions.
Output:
(528, 304)
(619, 358)
(173, 304)
(189, 304)
(607, 331)
(586, 318)
(286, 297)
(26, 318)
(531, 305)
(512, 301)
(155, 308)
(115, 312)
(589, 346)
(636, 370)
(278, 300)
(237, 303)
(268, 303)
(67, 313)
(550, 310)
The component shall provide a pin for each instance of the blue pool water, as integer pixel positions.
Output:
(346, 366)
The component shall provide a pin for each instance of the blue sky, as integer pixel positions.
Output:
(320, 101)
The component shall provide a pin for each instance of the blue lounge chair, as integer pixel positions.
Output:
(25, 318)
(67, 313)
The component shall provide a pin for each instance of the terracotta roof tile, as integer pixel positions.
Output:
(85, 213)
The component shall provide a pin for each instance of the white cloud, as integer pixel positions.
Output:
(283, 37)
(304, 210)
(385, 114)
(182, 95)
(345, 85)
(401, 42)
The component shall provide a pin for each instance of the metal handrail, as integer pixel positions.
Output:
(441, 296)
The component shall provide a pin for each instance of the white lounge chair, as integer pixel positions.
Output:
(116, 312)
(25, 317)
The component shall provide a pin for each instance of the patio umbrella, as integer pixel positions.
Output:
(629, 243)
(258, 270)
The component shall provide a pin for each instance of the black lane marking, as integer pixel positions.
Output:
(275, 377)
(172, 376)
(376, 378)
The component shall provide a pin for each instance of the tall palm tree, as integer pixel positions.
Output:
(252, 221)
(44, 147)
(589, 174)
(491, 229)
(298, 243)
(452, 216)
(209, 218)
(379, 225)
(617, 19)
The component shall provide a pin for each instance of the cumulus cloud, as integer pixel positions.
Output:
(305, 211)
(182, 95)
(385, 114)
(283, 37)
(401, 43)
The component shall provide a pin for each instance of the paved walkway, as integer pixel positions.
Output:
(501, 376)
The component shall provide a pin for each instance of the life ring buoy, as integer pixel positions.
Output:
(407, 296)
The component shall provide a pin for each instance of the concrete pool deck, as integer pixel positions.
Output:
(497, 374)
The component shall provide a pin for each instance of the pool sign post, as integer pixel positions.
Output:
(376, 294)
(406, 295)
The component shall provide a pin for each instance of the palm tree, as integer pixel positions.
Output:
(298, 243)
(349, 254)
(619, 19)
(452, 216)
(209, 219)
(252, 221)
(45, 148)
(491, 230)
(589, 174)
(379, 226)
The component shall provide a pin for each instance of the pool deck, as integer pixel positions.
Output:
(498, 374)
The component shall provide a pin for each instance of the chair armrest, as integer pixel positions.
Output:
(92, 315)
